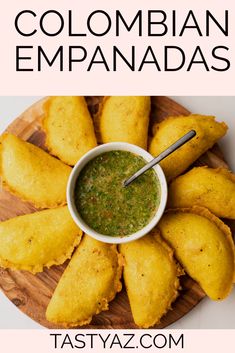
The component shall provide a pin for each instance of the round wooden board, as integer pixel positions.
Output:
(31, 293)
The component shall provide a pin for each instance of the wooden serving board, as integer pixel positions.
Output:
(31, 293)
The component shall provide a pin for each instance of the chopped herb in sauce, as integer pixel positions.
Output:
(108, 207)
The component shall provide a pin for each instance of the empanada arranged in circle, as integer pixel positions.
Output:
(124, 119)
(204, 247)
(37, 240)
(32, 174)
(208, 132)
(69, 128)
(207, 187)
(88, 284)
(151, 278)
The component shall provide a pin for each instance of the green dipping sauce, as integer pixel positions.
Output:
(108, 207)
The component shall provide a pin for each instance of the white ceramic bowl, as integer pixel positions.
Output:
(72, 182)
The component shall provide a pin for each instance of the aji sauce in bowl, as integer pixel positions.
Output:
(99, 203)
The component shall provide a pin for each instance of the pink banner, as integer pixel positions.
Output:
(142, 47)
(190, 341)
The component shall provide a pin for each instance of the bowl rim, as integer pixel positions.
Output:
(107, 147)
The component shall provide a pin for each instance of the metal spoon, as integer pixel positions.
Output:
(161, 156)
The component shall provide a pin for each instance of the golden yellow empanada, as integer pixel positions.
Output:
(124, 119)
(41, 239)
(204, 246)
(151, 278)
(207, 187)
(69, 128)
(88, 284)
(31, 173)
(171, 129)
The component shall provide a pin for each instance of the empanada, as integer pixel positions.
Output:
(31, 173)
(124, 119)
(208, 131)
(41, 239)
(151, 278)
(88, 284)
(204, 246)
(69, 128)
(208, 187)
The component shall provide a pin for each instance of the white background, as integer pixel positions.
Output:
(207, 314)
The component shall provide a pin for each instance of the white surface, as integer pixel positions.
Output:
(80, 165)
(206, 314)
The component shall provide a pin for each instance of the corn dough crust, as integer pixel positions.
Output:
(203, 245)
(32, 174)
(69, 128)
(151, 278)
(124, 119)
(208, 132)
(88, 284)
(37, 240)
(207, 187)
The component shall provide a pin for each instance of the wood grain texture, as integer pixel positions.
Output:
(31, 293)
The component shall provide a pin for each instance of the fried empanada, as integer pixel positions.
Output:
(151, 278)
(208, 131)
(31, 173)
(88, 284)
(124, 119)
(207, 187)
(69, 128)
(204, 246)
(41, 239)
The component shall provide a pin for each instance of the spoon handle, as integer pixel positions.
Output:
(162, 155)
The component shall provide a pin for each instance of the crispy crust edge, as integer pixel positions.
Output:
(39, 268)
(48, 145)
(224, 171)
(155, 233)
(204, 212)
(179, 272)
(117, 287)
(97, 119)
(156, 126)
(7, 187)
